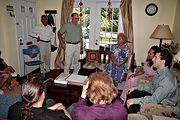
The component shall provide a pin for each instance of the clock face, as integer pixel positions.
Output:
(151, 9)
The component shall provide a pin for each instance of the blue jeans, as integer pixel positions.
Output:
(5, 102)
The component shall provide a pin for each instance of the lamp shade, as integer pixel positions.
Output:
(162, 32)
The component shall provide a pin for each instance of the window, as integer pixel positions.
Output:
(99, 27)
(22, 9)
(109, 26)
(30, 10)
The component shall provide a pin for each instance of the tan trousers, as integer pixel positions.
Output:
(45, 54)
(72, 52)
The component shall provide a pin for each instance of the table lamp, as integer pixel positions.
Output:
(162, 32)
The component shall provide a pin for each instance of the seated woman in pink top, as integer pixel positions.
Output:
(146, 73)
(102, 93)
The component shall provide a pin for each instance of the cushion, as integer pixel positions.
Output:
(161, 110)
(136, 117)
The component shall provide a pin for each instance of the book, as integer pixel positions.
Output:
(71, 79)
(61, 79)
(75, 79)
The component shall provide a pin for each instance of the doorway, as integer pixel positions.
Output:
(25, 11)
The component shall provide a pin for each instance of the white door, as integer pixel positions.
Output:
(25, 11)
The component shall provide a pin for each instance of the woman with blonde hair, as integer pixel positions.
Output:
(102, 93)
(118, 59)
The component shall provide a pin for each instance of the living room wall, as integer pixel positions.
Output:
(8, 44)
(144, 25)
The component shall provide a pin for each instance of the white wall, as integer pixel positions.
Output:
(8, 44)
(144, 25)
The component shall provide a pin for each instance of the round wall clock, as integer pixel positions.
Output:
(151, 9)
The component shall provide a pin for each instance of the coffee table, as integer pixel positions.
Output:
(66, 94)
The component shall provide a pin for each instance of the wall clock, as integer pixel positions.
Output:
(151, 9)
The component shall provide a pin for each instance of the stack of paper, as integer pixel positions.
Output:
(61, 78)
(72, 79)
(75, 79)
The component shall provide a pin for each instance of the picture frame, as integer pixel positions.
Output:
(92, 56)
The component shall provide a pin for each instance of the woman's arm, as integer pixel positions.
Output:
(122, 62)
(137, 73)
(60, 106)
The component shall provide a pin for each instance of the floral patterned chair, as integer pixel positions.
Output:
(150, 109)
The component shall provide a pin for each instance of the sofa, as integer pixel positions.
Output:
(150, 109)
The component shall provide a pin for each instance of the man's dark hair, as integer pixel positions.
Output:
(74, 14)
(42, 16)
(167, 56)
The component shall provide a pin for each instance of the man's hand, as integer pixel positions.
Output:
(38, 38)
(130, 90)
(81, 50)
(63, 44)
(130, 102)
(84, 90)
(148, 77)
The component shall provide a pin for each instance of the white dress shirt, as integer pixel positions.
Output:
(44, 32)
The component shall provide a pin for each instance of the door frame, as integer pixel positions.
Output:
(23, 29)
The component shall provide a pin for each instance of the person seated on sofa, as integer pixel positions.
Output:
(146, 73)
(102, 93)
(8, 98)
(6, 73)
(162, 89)
(33, 95)
(118, 59)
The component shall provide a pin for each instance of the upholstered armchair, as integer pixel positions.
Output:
(150, 110)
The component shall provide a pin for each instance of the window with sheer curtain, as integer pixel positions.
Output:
(100, 24)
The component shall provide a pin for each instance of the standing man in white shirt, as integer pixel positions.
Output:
(45, 36)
